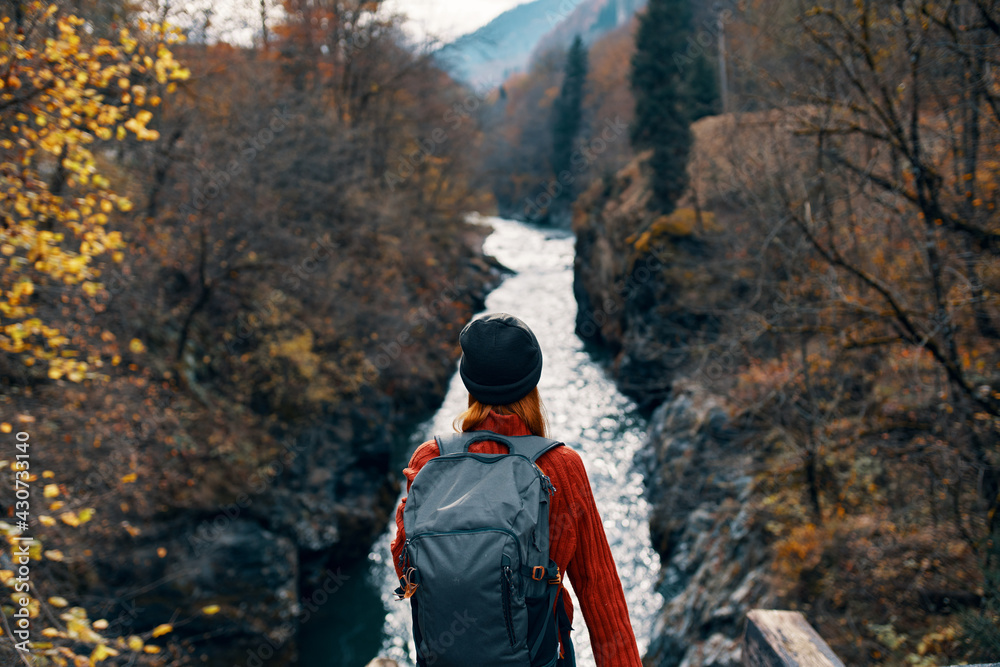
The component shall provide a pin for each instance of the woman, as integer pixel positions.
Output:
(500, 366)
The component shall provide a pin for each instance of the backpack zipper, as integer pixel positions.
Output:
(507, 595)
(404, 556)
(547, 483)
(436, 533)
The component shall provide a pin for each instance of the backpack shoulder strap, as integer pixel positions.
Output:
(530, 446)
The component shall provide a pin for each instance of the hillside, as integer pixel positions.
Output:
(789, 466)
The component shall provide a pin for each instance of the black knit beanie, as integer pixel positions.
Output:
(501, 360)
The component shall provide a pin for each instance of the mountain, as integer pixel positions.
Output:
(505, 45)
(591, 19)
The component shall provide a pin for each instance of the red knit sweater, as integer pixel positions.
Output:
(577, 542)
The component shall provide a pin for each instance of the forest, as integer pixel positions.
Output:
(233, 271)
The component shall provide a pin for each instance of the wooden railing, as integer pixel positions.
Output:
(785, 639)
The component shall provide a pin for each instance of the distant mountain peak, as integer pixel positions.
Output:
(505, 45)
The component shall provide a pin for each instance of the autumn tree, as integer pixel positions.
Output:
(73, 90)
(868, 306)
(930, 133)
(63, 96)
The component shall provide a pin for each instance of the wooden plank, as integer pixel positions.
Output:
(784, 639)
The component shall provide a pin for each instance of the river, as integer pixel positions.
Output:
(585, 410)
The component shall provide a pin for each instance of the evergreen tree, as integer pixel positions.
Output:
(703, 87)
(662, 97)
(567, 115)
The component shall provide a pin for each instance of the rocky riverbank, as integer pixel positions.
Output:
(705, 530)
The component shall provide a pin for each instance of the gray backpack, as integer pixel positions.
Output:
(476, 559)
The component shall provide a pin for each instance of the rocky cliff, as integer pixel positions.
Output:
(705, 529)
(635, 280)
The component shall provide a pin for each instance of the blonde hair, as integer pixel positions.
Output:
(529, 409)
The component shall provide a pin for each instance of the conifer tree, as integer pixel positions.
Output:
(662, 102)
(703, 87)
(567, 116)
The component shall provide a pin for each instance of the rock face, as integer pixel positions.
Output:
(631, 272)
(712, 553)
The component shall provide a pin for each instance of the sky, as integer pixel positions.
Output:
(448, 19)
(236, 20)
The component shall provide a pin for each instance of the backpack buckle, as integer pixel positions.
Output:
(538, 572)
(408, 584)
(556, 579)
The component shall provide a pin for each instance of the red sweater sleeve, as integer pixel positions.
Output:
(422, 455)
(595, 579)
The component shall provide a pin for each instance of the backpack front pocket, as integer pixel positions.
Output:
(469, 606)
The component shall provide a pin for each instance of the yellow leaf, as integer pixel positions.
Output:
(135, 643)
(57, 601)
(210, 609)
(150, 648)
(129, 478)
(136, 346)
(162, 629)
(54, 554)
(46, 520)
(51, 490)
(70, 519)
(100, 653)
